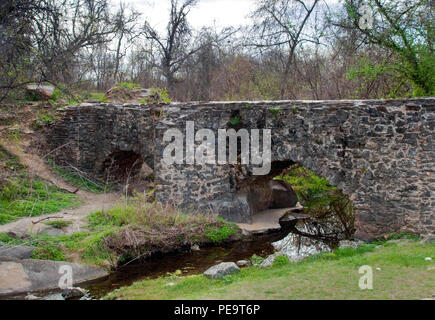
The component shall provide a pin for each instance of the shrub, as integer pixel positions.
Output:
(157, 95)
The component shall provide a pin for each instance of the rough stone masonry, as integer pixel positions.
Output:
(378, 152)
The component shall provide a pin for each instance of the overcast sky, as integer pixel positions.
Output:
(221, 12)
(206, 12)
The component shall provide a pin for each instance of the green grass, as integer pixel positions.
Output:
(403, 274)
(99, 96)
(48, 252)
(58, 224)
(128, 85)
(24, 197)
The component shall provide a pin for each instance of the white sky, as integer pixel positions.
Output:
(207, 12)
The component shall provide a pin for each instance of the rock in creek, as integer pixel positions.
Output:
(269, 260)
(295, 247)
(221, 270)
(73, 293)
(29, 275)
(243, 263)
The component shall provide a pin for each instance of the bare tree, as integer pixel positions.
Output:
(173, 47)
(126, 24)
(282, 23)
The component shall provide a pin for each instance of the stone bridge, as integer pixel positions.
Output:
(378, 152)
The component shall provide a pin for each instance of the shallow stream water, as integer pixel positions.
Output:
(190, 262)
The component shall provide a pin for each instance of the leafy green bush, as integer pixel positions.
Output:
(310, 188)
(255, 260)
(217, 235)
(158, 95)
(281, 260)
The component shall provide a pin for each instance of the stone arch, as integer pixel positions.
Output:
(121, 166)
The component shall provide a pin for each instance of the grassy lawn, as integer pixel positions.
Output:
(24, 196)
(403, 274)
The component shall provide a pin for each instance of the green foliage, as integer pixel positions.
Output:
(9, 161)
(235, 121)
(310, 188)
(158, 95)
(99, 96)
(117, 216)
(406, 32)
(14, 133)
(275, 111)
(42, 119)
(256, 260)
(56, 95)
(366, 71)
(156, 228)
(88, 245)
(21, 195)
(281, 260)
(222, 233)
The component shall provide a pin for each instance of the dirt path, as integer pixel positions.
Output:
(91, 202)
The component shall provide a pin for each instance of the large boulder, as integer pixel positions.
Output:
(29, 275)
(297, 247)
(40, 91)
(16, 252)
(221, 270)
(270, 260)
(283, 195)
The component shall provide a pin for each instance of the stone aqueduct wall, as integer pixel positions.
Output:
(379, 152)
